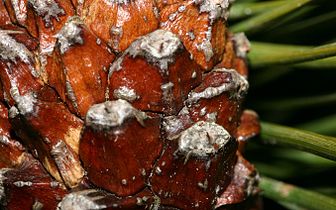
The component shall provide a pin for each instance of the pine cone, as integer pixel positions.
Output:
(123, 105)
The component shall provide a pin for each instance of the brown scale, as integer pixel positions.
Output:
(11, 150)
(76, 71)
(37, 115)
(29, 186)
(16, 72)
(231, 60)
(105, 200)
(190, 182)
(248, 128)
(22, 176)
(1, 93)
(49, 24)
(204, 40)
(225, 108)
(4, 16)
(52, 133)
(158, 70)
(43, 22)
(119, 23)
(123, 145)
(20, 14)
(242, 186)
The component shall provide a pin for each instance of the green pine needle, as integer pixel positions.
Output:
(243, 10)
(287, 19)
(326, 63)
(307, 23)
(325, 125)
(295, 196)
(258, 22)
(324, 146)
(286, 163)
(266, 54)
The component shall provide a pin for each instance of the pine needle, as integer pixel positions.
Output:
(243, 10)
(266, 54)
(295, 196)
(258, 22)
(325, 125)
(324, 146)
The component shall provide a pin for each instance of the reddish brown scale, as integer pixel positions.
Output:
(1, 92)
(51, 15)
(187, 182)
(56, 76)
(243, 185)
(18, 75)
(52, 133)
(75, 70)
(205, 40)
(4, 123)
(49, 22)
(11, 150)
(29, 186)
(240, 65)
(242, 47)
(4, 16)
(18, 68)
(156, 64)
(251, 203)
(99, 199)
(114, 139)
(233, 61)
(17, 65)
(223, 91)
(227, 61)
(163, 3)
(20, 14)
(248, 128)
(17, 10)
(201, 104)
(76, 3)
(21, 35)
(119, 23)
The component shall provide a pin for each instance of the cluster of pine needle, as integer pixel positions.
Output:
(293, 88)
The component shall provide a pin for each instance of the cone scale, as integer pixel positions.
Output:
(122, 105)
